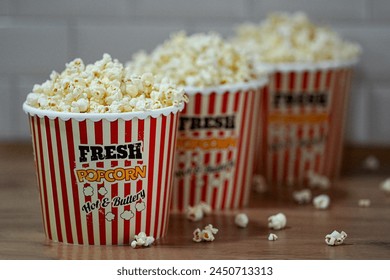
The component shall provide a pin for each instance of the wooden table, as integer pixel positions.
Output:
(368, 229)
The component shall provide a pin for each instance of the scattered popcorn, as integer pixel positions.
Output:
(241, 220)
(140, 206)
(194, 213)
(287, 38)
(206, 208)
(371, 163)
(259, 184)
(318, 181)
(303, 196)
(322, 201)
(127, 215)
(102, 191)
(110, 216)
(211, 228)
(364, 203)
(385, 186)
(272, 237)
(199, 60)
(335, 238)
(207, 234)
(197, 235)
(277, 221)
(197, 212)
(103, 87)
(142, 240)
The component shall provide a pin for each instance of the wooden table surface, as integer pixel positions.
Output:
(368, 229)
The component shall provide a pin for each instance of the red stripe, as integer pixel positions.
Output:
(198, 103)
(206, 162)
(141, 133)
(162, 163)
(236, 100)
(127, 191)
(248, 132)
(265, 110)
(305, 81)
(225, 99)
(68, 225)
(317, 80)
(278, 81)
(37, 166)
(151, 163)
(292, 78)
(72, 166)
(44, 187)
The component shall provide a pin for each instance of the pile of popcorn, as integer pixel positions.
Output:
(199, 60)
(288, 38)
(104, 87)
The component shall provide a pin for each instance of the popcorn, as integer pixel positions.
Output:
(322, 201)
(241, 220)
(104, 87)
(318, 181)
(335, 238)
(272, 237)
(303, 196)
(385, 186)
(141, 240)
(194, 213)
(207, 234)
(371, 163)
(199, 60)
(364, 203)
(287, 38)
(277, 221)
(197, 212)
(259, 184)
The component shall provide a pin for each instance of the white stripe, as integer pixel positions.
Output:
(134, 136)
(83, 218)
(145, 182)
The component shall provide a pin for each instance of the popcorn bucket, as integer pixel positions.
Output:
(302, 119)
(215, 147)
(104, 177)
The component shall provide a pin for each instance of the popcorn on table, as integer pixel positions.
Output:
(287, 38)
(318, 181)
(371, 163)
(335, 238)
(103, 87)
(199, 60)
(385, 186)
(321, 201)
(241, 220)
(302, 196)
(142, 240)
(364, 203)
(259, 184)
(277, 221)
(197, 212)
(207, 234)
(272, 237)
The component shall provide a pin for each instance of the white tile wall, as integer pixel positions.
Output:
(324, 11)
(38, 36)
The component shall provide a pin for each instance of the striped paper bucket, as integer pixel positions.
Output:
(104, 177)
(216, 137)
(302, 120)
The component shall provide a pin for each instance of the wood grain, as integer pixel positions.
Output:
(368, 229)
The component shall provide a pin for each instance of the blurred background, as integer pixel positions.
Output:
(38, 36)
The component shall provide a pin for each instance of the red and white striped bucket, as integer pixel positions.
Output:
(215, 147)
(104, 177)
(302, 118)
